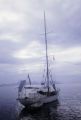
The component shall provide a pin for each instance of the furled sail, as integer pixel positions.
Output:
(29, 79)
(22, 84)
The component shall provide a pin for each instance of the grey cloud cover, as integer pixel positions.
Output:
(21, 22)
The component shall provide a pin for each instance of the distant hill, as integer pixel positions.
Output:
(10, 84)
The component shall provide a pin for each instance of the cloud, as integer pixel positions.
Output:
(22, 42)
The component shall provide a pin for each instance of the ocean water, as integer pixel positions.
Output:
(68, 106)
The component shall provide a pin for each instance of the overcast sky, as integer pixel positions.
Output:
(22, 45)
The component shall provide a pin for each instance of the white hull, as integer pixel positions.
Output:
(50, 99)
(45, 100)
(39, 102)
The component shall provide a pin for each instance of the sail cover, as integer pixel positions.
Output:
(22, 83)
(29, 79)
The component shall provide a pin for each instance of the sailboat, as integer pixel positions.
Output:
(37, 96)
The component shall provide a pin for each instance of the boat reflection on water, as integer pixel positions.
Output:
(46, 112)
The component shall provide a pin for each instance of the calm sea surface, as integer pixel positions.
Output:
(68, 107)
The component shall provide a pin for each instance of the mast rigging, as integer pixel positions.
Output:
(47, 71)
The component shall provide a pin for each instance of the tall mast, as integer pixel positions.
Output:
(47, 66)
